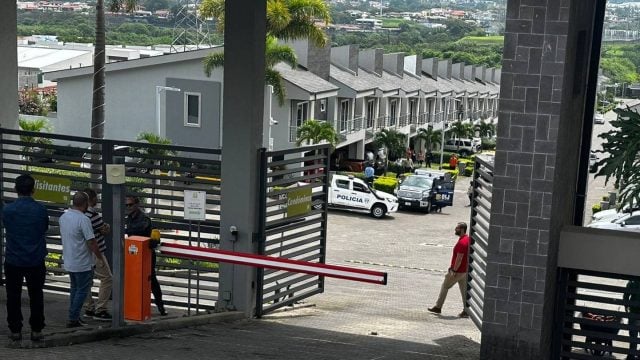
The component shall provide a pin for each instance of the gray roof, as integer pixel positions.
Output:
(380, 82)
(305, 80)
(407, 83)
(357, 83)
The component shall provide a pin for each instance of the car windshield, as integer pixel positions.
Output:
(418, 181)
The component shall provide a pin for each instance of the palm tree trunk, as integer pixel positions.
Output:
(97, 105)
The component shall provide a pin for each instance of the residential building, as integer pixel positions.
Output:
(360, 92)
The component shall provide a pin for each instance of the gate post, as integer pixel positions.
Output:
(9, 65)
(243, 106)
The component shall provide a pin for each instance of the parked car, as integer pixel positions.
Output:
(464, 147)
(626, 222)
(350, 193)
(598, 118)
(426, 190)
(611, 214)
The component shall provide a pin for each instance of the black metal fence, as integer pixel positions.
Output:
(294, 222)
(598, 315)
(479, 233)
(158, 174)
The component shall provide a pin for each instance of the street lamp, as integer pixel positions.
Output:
(159, 90)
(447, 104)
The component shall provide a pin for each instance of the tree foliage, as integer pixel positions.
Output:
(315, 132)
(622, 164)
(431, 138)
(392, 140)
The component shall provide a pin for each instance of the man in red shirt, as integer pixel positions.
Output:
(457, 273)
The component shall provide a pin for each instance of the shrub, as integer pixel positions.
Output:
(488, 144)
(595, 208)
(386, 184)
(454, 174)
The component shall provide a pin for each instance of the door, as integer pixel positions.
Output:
(344, 115)
(340, 192)
(371, 112)
(443, 190)
(393, 112)
(361, 195)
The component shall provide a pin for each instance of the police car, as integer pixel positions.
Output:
(426, 190)
(350, 193)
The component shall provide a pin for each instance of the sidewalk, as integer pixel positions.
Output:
(56, 333)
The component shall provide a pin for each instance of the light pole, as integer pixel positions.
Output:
(159, 90)
(447, 103)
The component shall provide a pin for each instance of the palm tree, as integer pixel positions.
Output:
(392, 140)
(622, 144)
(152, 138)
(430, 137)
(33, 142)
(314, 132)
(275, 53)
(461, 129)
(485, 129)
(286, 20)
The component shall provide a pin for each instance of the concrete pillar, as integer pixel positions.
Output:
(9, 66)
(242, 137)
(543, 106)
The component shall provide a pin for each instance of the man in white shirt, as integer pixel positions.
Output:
(79, 247)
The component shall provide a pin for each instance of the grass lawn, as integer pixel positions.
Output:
(392, 23)
(482, 40)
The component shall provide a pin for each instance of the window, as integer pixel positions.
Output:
(192, 109)
(323, 105)
(633, 220)
(342, 184)
(393, 112)
(371, 112)
(299, 116)
(344, 114)
(360, 187)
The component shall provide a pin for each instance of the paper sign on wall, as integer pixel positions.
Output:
(195, 205)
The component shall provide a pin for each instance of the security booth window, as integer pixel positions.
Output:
(192, 109)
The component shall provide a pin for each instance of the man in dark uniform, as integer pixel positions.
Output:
(138, 223)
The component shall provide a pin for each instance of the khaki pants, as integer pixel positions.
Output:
(102, 272)
(449, 280)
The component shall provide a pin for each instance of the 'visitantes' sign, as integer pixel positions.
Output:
(299, 202)
(52, 188)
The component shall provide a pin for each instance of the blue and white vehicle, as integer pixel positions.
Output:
(351, 193)
(426, 190)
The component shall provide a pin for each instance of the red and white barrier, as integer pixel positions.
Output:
(335, 271)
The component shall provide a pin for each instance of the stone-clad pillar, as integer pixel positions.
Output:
(518, 303)
(8, 65)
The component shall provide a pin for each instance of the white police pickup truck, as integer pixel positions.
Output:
(351, 193)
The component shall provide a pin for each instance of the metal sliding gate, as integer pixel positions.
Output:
(293, 213)
(479, 233)
(158, 174)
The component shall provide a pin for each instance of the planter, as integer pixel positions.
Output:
(612, 198)
(604, 205)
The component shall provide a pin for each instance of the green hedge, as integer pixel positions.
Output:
(386, 184)
(595, 208)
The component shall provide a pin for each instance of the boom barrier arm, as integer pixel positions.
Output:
(335, 271)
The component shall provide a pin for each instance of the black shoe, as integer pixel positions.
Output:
(163, 312)
(15, 337)
(102, 316)
(435, 310)
(89, 313)
(76, 323)
(37, 336)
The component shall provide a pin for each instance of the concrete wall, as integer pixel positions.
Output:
(210, 100)
(527, 190)
(130, 100)
(8, 65)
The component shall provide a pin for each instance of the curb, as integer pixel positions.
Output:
(100, 334)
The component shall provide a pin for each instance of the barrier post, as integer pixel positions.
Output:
(137, 280)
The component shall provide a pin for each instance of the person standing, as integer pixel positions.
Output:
(369, 173)
(429, 158)
(138, 223)
(79, 252)
(25, 222)
(632, 294)
(98, 309)
(457, 273)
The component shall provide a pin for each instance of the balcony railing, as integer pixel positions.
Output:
(351, 125)
(293, 133)
(381, 122)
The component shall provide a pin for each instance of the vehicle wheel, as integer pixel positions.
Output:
(428, 207)
(378, 211)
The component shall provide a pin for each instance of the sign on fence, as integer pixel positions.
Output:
(52, 189)
(299, 202)
(195, 205)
